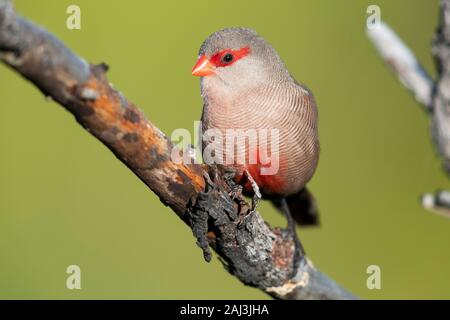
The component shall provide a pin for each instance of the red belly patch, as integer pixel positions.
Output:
(271, 183)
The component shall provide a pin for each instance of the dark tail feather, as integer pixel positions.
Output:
(303, 208)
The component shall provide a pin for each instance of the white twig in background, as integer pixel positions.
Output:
(403, 62)
(434, 95)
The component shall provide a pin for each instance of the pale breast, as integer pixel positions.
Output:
(285, 112)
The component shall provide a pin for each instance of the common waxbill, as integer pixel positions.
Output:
(245, 85)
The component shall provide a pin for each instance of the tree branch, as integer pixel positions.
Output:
(433, 95)
(402, 62)
(250, 249)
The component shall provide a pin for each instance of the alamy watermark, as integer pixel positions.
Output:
(374, 18)
(73, 21)
(73, 281)
(238, 147)
(374, 279)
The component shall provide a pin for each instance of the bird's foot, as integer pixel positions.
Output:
(228, 175)
(255, 199)
(236, 192)
(256, 192)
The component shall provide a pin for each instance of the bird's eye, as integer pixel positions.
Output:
(227, 58)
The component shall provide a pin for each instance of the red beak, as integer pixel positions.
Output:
(203, 67)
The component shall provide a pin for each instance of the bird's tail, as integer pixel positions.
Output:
(303, 208)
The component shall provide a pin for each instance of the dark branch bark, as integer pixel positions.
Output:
(251, 250)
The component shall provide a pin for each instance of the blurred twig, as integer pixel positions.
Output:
(402, 62)
(252, 251)
(434, 95)
(438, 203)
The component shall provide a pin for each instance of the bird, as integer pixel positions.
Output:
(245, 85)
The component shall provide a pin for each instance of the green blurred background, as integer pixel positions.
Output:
(65, 199)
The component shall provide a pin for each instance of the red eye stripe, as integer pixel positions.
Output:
(216, 59)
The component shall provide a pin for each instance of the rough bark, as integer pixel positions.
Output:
(260, 256)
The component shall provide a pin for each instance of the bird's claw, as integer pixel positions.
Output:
(236, 192)
(229, 174)
(255, 199)
(256, 192)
